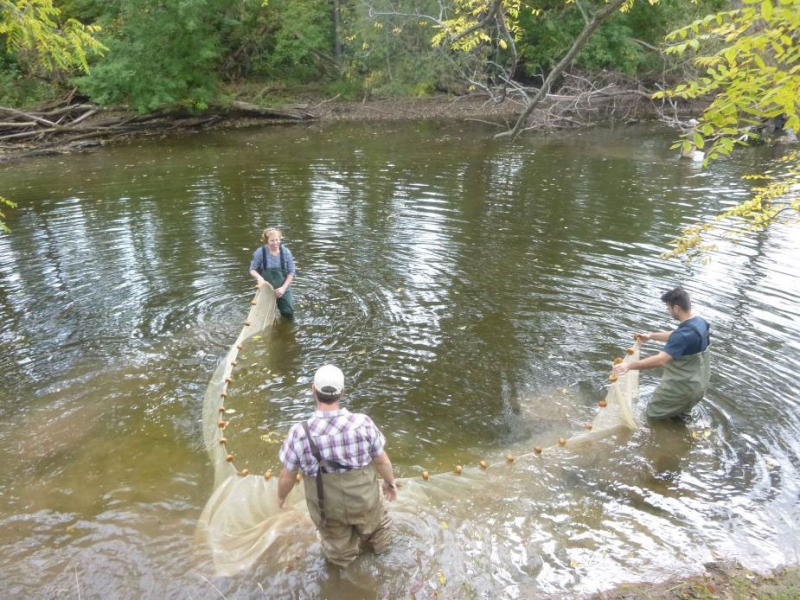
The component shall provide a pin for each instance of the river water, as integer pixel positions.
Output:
(474, 293)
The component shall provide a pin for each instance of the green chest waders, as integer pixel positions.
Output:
(683, 385)
(276, 276)
(351, 497)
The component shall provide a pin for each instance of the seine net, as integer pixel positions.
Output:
(242, 521)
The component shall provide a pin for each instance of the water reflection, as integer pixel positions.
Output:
(474, 293)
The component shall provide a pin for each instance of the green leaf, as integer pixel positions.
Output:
(699, 142)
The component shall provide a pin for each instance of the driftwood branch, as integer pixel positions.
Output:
(61, 125)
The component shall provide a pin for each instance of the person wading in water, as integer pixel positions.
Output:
(684, 358)
(341, 455)
(273, 263)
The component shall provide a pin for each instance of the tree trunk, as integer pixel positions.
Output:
(599, 17)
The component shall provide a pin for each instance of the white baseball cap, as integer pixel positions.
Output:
(329, 380)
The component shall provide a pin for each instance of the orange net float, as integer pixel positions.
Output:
(562, 441)
(228, 380)
(602, 404)
(247, 323)
(484, 464)
(239, 347)
(588, 425)
(223, 441)
(425, 475)
(458, 469)
(629, 351)
(617, 360)
(537, 449)
(253, 302)
(244, 472)
(223, 394)
(510, 458)
(221, 409)
(299, 477)
(222, 424)
(612, 378)
(268, 475)
(233, 363)
(229, 458)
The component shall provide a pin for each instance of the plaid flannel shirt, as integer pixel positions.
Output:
(351, 439)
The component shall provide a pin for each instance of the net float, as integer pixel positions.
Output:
(223, 395)
(221, 409)
(617, 360)
(299, 477)
(223, 441)
(484, 465)
(537, 449)
(233, 363)
(239, 346)
(458, 469)
(247, 323)
(602, 404)
(510, 458)
(244, 472)
(222, 424)
(228, 380)
(629, 351)
(253, 302)
(588, 425)
(268, 475)
(562, 442)
(612, 378)
(229, 458)
(425, 475)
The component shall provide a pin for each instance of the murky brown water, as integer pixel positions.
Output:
(474, 293)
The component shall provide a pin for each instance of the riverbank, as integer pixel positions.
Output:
(721, 580)
(73, 127)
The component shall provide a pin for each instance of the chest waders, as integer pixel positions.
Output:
(276, 277)
(683, 385)
(350, 498)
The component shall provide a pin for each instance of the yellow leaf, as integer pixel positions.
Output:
(442, 578)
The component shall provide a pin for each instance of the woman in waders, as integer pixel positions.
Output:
(274, 264)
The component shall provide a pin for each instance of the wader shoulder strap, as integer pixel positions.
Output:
(315, 453)
(264, 260)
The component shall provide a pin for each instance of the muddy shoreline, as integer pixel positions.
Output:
(106, 126)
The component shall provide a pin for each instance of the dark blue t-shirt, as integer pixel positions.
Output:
(691, 337)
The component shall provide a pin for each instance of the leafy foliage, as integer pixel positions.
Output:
(35, 32)
(161, 53)
(775, 201)
(9, 204)
(300, 39)
(752, 74)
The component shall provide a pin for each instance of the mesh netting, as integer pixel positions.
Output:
(242, 520)
(617, 413)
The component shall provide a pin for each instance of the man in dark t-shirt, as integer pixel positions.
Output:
(684, 358)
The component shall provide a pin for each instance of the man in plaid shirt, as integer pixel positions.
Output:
(341, 455)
